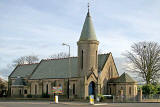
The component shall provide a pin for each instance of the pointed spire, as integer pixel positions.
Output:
(88, 14)
(88, 32)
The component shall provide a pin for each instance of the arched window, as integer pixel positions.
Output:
(20, 92)
(47, 89)
(110, 91)
(35, 89)
(74, 89)
(25, 91)
(59, 85)
(130, 91)
(110, 72)
(54, 83)
(82, 60)
(121, 88)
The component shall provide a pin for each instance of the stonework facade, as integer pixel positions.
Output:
(87, 74)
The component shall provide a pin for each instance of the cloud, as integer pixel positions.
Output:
(122, 66)
(4, 73)
(31, 27)
(115, 42)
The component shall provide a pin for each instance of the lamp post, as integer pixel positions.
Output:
(68, 68)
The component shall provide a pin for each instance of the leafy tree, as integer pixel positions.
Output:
(3, 86)
(158, 88)
(150, 89)
(144, 59)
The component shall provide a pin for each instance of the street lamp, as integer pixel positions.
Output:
(68, 67)
(68, 47)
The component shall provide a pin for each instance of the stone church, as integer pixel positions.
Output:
(81, 76)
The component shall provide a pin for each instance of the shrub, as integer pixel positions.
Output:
(45, 96)
(87, 97)
(150, 89)
(101, 97)
(29, 96)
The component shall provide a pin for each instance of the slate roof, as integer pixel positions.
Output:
(124, 78)
(88, 32)
(58, 68)
(102, 58)
(23, 70)
(19, 82)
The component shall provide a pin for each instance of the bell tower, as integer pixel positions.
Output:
(87, 54)
(87, 48)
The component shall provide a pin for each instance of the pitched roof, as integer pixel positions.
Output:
(23, 70)
(88, 32)
(58, 68)
(125, 78)
(102, 58)
(18, 82)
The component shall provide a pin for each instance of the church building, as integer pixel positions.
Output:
(81, 76)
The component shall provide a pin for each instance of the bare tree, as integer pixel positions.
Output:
(59, 55)
(31, 59)
(25, 60)
(144, 59)
(100, 51)
(19, 61)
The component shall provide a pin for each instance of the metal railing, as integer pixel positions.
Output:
(128, 99)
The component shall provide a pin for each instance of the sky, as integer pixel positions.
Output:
(39, 27)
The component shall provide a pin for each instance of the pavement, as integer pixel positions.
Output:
(73, 104)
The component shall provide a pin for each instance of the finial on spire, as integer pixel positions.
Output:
(88, 6)
(88, 10)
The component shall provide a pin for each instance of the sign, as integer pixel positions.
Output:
(57, 90)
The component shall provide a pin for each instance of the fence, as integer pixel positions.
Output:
(136, 99)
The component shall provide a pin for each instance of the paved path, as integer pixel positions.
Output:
(75, 104)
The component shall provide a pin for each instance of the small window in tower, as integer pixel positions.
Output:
(96, 58)
(82, 60)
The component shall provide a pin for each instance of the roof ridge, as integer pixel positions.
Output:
(126, 77)
(48, 59)
(104, 53)
(27, 64)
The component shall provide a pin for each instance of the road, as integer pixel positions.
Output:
(75, 104)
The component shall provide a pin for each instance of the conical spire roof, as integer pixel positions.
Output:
(88, 32)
